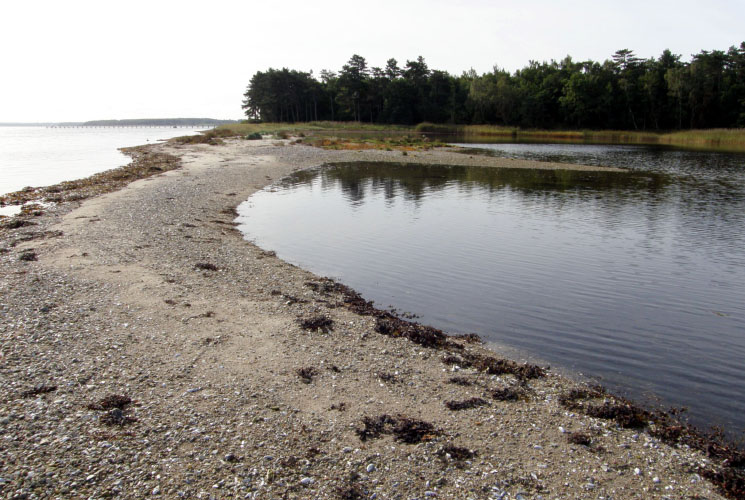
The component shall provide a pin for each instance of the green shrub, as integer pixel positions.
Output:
(253, 137)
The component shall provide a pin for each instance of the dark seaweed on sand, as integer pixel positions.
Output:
(466, 404)
(729, 478)
(320, 322)
(404, 429)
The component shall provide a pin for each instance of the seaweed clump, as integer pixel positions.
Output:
(38, 390)
(625, 413)
(404, 429)
(507, 394)
(314, 323)
(28, 256)
(205, 266)
(457, 453)
(306, 374)
(462, 381)
(423, 335)
(110, 402)
(466, 404)
(580, 438)
(730, 482)
(115, 406)
(729, 478)
(495, 366)
(351, 492)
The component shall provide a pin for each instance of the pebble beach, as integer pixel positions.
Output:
(147, 350)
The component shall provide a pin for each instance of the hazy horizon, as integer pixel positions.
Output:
(56, 122)
(83, 60)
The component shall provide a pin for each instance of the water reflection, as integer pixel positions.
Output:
(637, 278)
(414, 182)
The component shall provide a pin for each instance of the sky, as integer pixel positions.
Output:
(76, 60)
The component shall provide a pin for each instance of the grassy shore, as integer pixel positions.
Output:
(712, 139)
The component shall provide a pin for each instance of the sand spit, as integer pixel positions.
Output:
(148, 350)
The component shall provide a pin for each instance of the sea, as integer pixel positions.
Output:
(41, 156)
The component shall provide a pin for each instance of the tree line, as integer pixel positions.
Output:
(623, 92)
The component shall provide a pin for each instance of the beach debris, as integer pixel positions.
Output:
(315, 323)
(729, 478)
(291, 299)
(456, 453)
(453, 360)
(270, 253)
(373, 427)
(569, 398)
(423, 335)
(119, 401)
(306, 374)
(16, 222)
(466, 404)
(462, 381)
(508, 394)
(116, 416)
(404, 429)
(115, 406)
(325, 287)
(351, 492)
(205, 266)
(28, 256)
(625, 413)
(387, 377)
(38, 390)
(581, 438)
(469, 338)
(501, 366)
(212, 137)
(729, 481)
(495, 366)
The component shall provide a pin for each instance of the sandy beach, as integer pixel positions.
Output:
(148, 350)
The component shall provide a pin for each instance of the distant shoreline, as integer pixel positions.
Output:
(165, 122)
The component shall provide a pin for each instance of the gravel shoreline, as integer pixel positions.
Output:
(149, 294)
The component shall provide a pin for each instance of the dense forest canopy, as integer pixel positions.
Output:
(624, 92)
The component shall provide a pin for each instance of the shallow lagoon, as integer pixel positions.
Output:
(635, 279)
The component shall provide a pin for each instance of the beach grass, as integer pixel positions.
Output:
(245, 128)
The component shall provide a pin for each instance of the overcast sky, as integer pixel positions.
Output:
(76, 60)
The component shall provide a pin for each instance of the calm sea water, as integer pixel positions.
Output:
(41, 156)
(635, 279)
